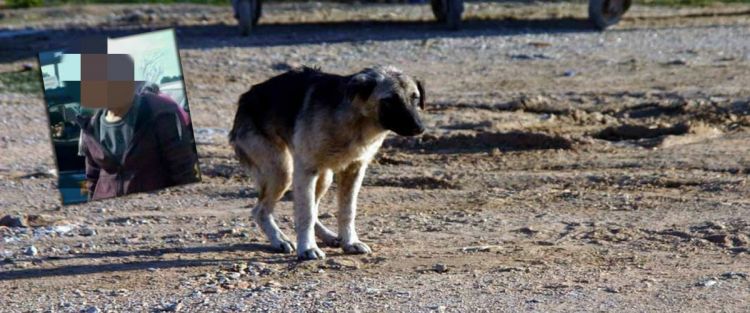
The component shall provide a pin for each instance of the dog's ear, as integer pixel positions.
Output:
(361, 85)
(422, 95)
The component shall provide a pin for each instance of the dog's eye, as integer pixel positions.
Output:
(414, 99)
(390, 100)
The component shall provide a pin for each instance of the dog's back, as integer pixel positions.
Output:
(271, 108)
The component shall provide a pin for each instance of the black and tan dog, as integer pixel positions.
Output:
(301, 127)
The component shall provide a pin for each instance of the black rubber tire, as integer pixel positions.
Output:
(248, 13)
(258, 11)
(455, 10)
(602, 15)
(438, 10)
(244, 16)
(448, 12)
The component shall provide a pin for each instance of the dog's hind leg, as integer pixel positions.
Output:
(271, 167)
(349, 182)
(328, 237)
(271, 189)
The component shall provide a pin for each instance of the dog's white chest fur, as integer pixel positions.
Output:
(338, 152)
(356, 151)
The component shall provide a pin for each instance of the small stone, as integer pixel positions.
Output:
(720, 239)
(611, 290)
(92, 309)
(232, 232)
(504, 269)
(239, 267)
(14, 221)
(371, 290)
(242, 285)
(732, 275)
(31, 251)
(440, 268)
(707, 283)
(528, 230)
(172, 307)
(473, 249)
(343, 263)
(570, 73)
(196, 294)
(27, 67)
(86, 232)
(741, 240)
(42, 220)
(677, 62)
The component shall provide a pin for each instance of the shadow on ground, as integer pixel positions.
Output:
(482, 141)
(72, 270)
(29, 42)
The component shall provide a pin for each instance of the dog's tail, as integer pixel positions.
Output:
(243, 120)
(243, 123)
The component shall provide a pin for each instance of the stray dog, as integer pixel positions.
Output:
(301, 127)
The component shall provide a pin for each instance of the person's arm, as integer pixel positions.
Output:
(177, 149)
(92, 169)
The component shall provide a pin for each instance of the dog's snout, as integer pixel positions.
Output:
(416, 130)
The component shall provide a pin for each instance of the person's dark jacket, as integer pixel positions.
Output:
(159, 155)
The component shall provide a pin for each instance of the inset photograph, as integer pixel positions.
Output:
(119, 116)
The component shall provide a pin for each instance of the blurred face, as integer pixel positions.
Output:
(107, 81)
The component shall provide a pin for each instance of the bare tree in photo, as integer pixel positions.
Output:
(152, 68)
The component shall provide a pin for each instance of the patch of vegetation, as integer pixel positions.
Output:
(15, 4)
(21, 82)
(214, 2)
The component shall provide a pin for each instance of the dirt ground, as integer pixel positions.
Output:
(564, 170)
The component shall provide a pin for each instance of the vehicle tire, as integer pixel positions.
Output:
(438, 10)
(248, 13)
(605, 13)
(258, 11)
(448, 12)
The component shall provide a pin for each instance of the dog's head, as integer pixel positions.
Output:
(391, 97)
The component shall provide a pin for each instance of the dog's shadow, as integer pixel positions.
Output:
(84, 269)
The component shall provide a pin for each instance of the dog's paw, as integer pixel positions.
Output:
(326, 236)
(283, 246)
(311, 254)
(331, 241)
(356, 248)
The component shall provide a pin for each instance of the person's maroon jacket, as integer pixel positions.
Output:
(160, 154)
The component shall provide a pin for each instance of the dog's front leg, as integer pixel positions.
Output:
(305, 212)
(350, 180)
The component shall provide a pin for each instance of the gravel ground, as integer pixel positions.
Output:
(564, 170)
